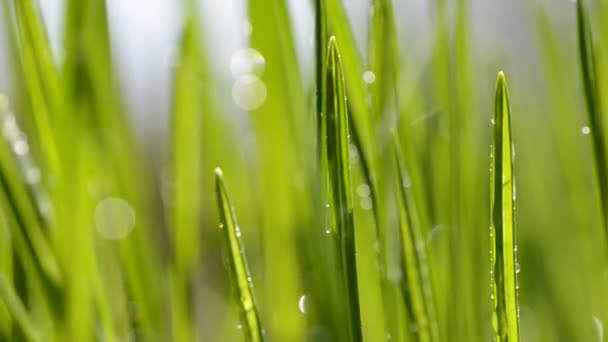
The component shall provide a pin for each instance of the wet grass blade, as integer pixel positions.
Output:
(237, 261)
(418, 288)
(593, 104)
(505, 319)
(338, 168)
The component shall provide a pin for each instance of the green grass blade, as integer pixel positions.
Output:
(418, 287)
(18, 310)
(184, 209)
(593, 104)
(338, 168)
(503, 258)
(237, 261)
(185, 206)
(42, 81)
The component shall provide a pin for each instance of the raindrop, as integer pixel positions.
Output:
(369, 77)
(407, 182)
(586, 130)
(247, 28)
(114, 218)
(353, 153)
(517, 269)
(366, 203)
(239, 326)
(247, 61)
(238, 232)
(328, 231)
(302, 304)
(249, 92)
(221, 226)
(493, 122)
(21, 147)
(363, 190)
(599, 328)
(32, 175)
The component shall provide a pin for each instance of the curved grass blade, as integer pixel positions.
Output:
(338, 168)
(418, 287)
(18, 310)
(505, 317)
(237, 261)
(593, 104)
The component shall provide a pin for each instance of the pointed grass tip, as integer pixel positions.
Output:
(501, 77)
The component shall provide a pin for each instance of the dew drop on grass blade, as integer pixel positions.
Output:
(237, 261)
(505, 318)
(338, 168)
(593, 104)
(418, 287)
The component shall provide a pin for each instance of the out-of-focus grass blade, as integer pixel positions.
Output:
(505, 318)
(237, 261)
(18, 310)
(185, 204)
(593, 103)
(42, 81)
(418, 287)
(19, 195)
(338, 168)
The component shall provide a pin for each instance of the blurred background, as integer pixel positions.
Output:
(563, 279)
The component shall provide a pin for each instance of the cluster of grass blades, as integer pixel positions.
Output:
(359, 193)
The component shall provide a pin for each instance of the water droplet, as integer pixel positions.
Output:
(247, 28)
(221, 226)
(247, 62)
(32, 175)
(353, 153)
(369, 77)
(302, 304)
(517, 268)
(599, 328)
(366, 203)
(586, 130)
(239, 326)
(114, 218)
(328, 231)
(238, 232)
(407, 182)
(387, 336)
(363, 190)
(493, 122)
(20, 147)
(249, 92)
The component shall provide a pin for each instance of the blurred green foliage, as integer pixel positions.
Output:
(103, 239)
